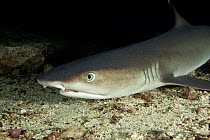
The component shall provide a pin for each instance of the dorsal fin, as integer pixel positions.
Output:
(179, 21)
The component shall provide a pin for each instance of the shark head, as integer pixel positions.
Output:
(94, 78)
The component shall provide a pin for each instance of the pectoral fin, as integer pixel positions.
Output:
(188, 81)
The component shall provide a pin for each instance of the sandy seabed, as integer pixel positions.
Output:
(28, 111)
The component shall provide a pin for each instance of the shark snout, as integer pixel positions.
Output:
(55, 84)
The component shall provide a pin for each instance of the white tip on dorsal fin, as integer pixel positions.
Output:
(179, 21)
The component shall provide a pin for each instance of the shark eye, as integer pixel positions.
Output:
(90, 77)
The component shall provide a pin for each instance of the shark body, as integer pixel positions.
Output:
(162, 60)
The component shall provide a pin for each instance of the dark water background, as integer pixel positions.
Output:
(82, 28)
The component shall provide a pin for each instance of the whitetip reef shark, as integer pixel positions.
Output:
(162, 60)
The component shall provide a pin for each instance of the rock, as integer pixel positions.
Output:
(29, 134)
(74, 132)
(19, 58)
(14, 133)
(52, 136)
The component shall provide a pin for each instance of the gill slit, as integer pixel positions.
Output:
(151, 73)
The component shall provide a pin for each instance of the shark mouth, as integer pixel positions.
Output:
(68, 90)
(71, 92)
(81, 94)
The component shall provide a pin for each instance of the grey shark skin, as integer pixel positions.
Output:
(162, 60)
